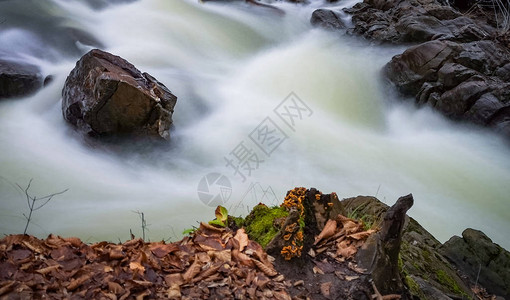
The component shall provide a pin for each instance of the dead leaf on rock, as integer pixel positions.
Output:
(242, 238)
(361, 235)
(329, 230)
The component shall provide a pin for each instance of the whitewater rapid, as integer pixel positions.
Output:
(231, 65)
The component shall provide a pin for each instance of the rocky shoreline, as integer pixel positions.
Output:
(367, 251)
(458, 62)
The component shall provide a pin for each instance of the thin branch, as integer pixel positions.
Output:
(32, 199)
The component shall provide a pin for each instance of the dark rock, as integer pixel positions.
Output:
(420, 262)
(455, 102)
(483, 110)
(419, 28)
(327, 19)
(416, 65)
(402, 21)
(478, 257)
(106, 95)
(467, 81)
(452, 74)
(379, 255)
(18, 80)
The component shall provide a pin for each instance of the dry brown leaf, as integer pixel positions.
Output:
(47, 269)
(144, 283)
(143, 294)
(346, 252)
(350, 278)
(361, 235)
(32, 247)
(329, 230)
(192, 271)
(115, 288)
(76, 242)
(268, 270)
(326, 289)
(78, 282)
(7, 287)
(213, 269)
(242, 258)
(161, 250)
(281, 295)
(224, 256)
(205, 226)
(116, 252)
(136, 267)
(317, 270)
(174, 292)
(174, 279)
(242, 238)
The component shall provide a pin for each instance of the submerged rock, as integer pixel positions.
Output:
(18, 80)
(327, 19)
(106, 95)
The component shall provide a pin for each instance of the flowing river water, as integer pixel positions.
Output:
(231, 66)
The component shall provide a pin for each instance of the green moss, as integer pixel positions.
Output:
(447, 281)
(414, 288)
(426, 255)
(238, 221)
(259, 223)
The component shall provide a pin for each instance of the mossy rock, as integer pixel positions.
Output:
(263, 223)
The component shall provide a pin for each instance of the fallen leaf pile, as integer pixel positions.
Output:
(341, 238)
(214, 263)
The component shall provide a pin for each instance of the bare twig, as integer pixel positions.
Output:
(144, 223)
(31, 201)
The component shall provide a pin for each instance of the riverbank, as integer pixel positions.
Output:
(222, 259)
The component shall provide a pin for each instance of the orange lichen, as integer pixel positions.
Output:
(291, 227)
(299, 236)
(289, 252)
(294, 236)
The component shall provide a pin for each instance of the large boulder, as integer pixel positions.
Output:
(106, 95)
(18, 80)
(481, 260)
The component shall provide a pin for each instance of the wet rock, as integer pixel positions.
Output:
(466, 81)
(478, 257)
(414, 21)
(379, 255)
(327, 19)
(18, 80)
(106, 95)
(423, 270)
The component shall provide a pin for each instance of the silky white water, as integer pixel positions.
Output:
(231, 65)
